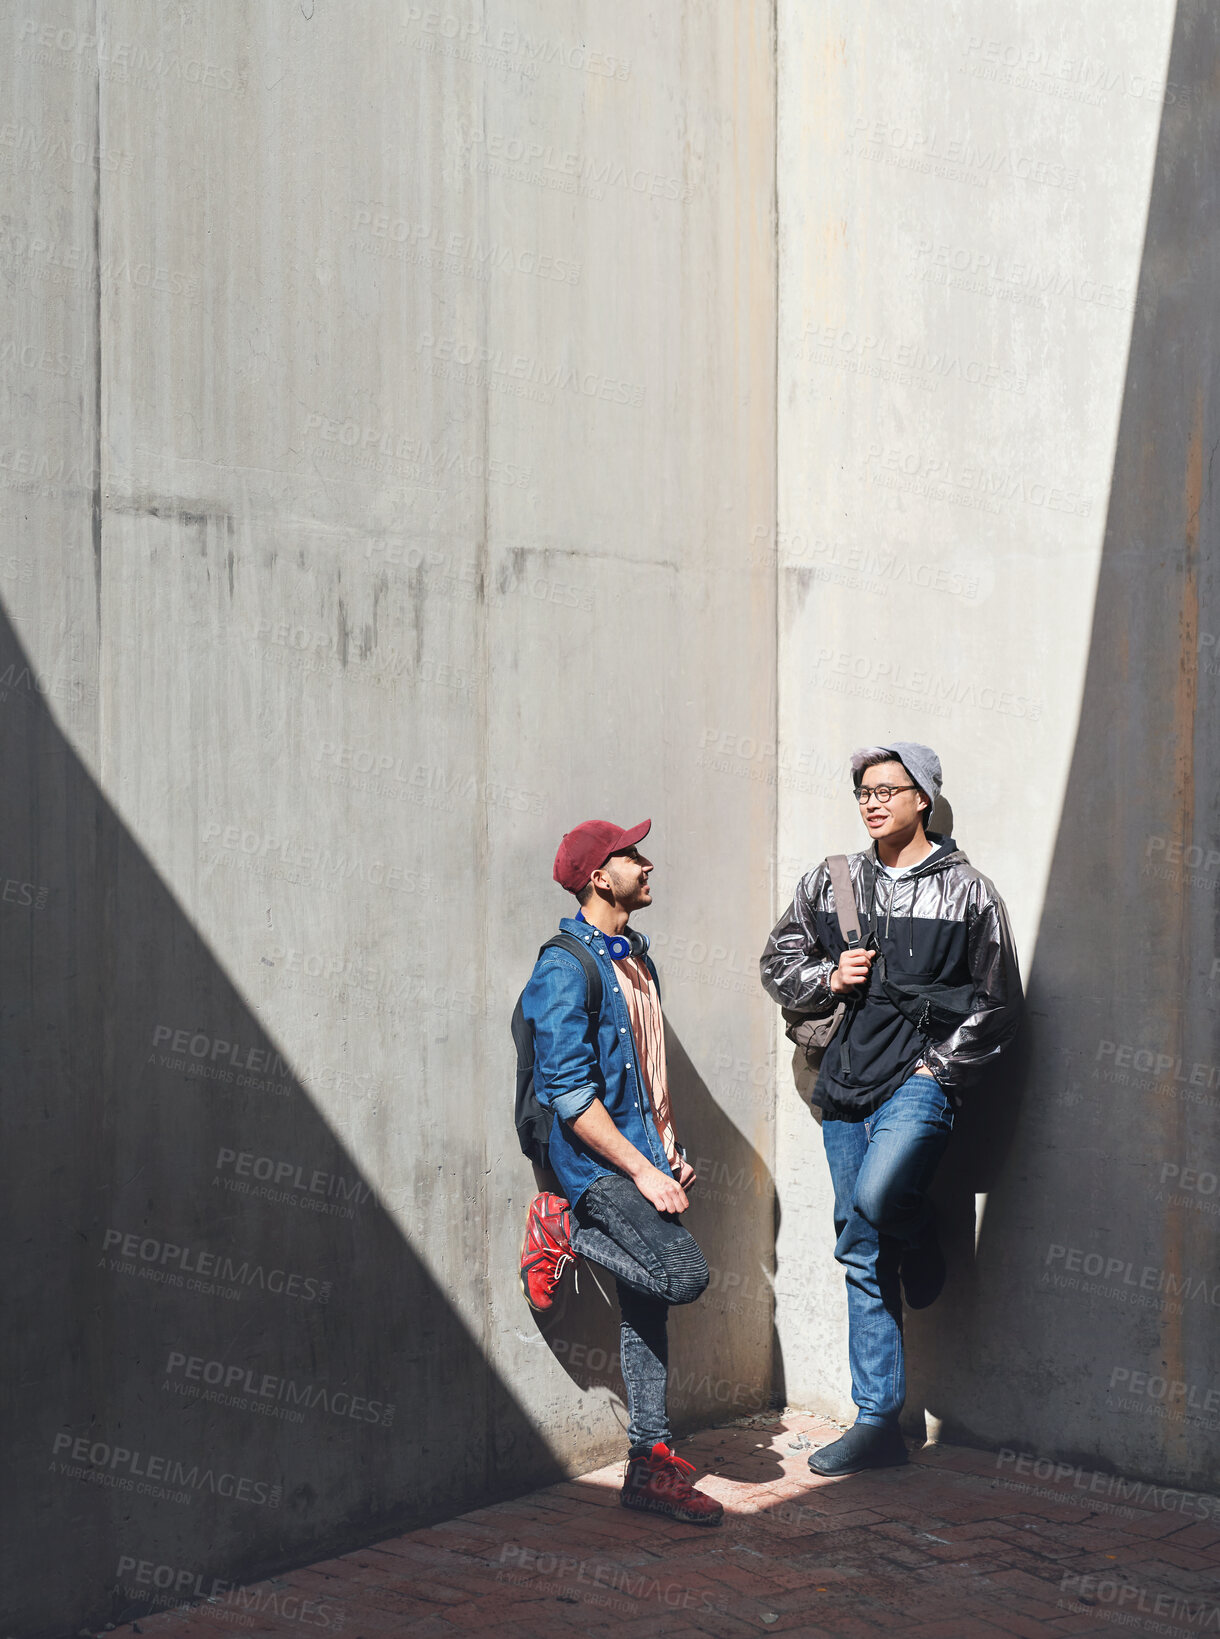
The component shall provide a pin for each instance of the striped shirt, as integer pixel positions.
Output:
(648, 1028)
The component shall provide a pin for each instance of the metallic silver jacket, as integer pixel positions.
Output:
(804, 948)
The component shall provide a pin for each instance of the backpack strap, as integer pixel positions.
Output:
(849, 926)
(587, 960)
(845, 898)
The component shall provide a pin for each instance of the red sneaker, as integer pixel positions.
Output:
(658, 1482)
(547, 1250)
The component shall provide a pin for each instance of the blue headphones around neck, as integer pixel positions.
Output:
(620, 945)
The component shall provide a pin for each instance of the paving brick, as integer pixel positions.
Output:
(907, 1558)
(852, 1624)
(956, 1627)
(899, 1531)
(1200, 1536)
(463, 1536)
(752, 1580)
(1074, 1625)
(1012, 1622)
(1170, 1553)
(939, 1547)
(363, 1622)
(1157, 1524)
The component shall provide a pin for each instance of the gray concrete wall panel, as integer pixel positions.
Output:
(380, 462)
(996, 367)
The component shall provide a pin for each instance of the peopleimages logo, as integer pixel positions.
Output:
(120, 1468)
(1028, 65)
(1137, 1280)
(262, 853)
(956, 159)
(1169, 1067)
(178, 1587)
(215, 1049)
(600, 1575)
(965, 267)
(569, 170)
(935, 691)
(512, 41)
(919, 472)
(1109, 1485)
(1183, 853)
(1189, 1179)
(494, 362)
(213, 1273)
(291, 1177)
(382, 232)
(1163, 1390)
(245, 1382)
(56, 261)
(127, 60)
(919, 365)
(1089, 1590)
(434, 461)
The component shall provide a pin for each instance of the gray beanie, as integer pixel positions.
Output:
(920, 762)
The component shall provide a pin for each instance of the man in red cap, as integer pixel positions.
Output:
(612, 1146)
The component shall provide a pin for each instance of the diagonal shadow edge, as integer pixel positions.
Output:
(352, 1402)
(176, 1317)
(1123, 952)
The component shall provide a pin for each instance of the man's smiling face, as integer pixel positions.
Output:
(898, 815)
(628, 873)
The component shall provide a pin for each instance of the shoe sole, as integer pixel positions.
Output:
(864, 1468)
(649, 1506)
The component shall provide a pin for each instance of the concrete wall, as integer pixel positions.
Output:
(390, 448)
(388, 415)
(998, 378)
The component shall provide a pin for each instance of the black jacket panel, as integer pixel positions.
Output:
(941, 923)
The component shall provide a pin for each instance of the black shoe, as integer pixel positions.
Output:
(863, 1446)
(923, 1272)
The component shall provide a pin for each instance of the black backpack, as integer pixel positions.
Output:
(533, 1119)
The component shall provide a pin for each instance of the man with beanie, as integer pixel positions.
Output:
(613, 1148)
(932, 996)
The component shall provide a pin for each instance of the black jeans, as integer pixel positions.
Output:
(655, 1263)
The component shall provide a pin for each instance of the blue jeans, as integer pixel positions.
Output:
(656, 1263)
(881, 1168)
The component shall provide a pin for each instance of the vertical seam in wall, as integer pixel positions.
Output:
(483, 818)
(100, 834)
(775, 112)
(97, 344)
(775, 443)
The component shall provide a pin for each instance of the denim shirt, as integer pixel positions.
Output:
(577, 1060)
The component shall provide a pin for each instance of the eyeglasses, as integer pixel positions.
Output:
(883, 793)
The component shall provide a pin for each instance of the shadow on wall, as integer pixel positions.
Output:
(735, 1186)
(1091, 1269)
(227, 1358)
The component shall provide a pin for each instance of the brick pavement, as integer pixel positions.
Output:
(955, 1545)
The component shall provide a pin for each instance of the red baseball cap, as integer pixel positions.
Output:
(590, 845)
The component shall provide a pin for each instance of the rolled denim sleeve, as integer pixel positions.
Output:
(567, 1075)
(567, 1106)
(794, 968)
